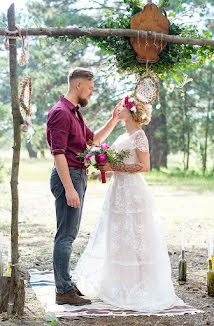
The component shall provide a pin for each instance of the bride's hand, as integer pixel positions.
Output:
(105, 168)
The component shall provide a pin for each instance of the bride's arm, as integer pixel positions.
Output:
(142, 166)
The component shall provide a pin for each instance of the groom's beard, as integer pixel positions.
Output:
(83, 102)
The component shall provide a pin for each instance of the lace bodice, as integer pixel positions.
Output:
(136, 140)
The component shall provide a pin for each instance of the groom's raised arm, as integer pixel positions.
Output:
(103, 132)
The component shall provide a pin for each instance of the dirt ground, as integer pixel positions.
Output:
(37, 228)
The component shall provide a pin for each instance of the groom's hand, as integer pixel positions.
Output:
(72, 198)
(104, 168)
(116, 112)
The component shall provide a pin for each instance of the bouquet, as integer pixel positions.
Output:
(99, 155)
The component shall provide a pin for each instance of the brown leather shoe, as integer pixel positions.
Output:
(76, 289)
(72, 298)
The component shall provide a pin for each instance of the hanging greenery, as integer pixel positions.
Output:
(123, 57)
(171, 57)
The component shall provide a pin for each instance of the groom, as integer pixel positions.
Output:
(67, 134)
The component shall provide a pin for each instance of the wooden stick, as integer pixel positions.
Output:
(102, 32)
(137, 6)
(17, 118)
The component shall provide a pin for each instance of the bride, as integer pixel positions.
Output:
(126, 262)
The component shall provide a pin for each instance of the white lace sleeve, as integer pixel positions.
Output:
(141, 141)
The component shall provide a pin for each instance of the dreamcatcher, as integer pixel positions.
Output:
(147, 89)
(25, 97)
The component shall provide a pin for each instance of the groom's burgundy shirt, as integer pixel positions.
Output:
(67, 134)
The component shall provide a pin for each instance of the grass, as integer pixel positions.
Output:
(180, 198)
(38, 170)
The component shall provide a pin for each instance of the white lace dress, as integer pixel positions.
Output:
(126, 262)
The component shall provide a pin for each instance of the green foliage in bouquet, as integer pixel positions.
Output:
(94, 155)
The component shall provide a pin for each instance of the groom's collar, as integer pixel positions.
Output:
(68, 103)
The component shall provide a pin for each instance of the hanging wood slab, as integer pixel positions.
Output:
(150, 19)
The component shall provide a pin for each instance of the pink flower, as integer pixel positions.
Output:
(105, 146)
(102, 158)
(88, 156)
(128, 104)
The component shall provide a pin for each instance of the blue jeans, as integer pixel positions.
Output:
(68, 222)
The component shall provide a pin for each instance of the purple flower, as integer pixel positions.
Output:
(88, 156)
(102, 158)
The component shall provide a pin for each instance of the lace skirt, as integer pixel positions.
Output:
(126, 262)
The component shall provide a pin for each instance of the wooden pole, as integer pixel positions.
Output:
(17, 119)
(102, 32)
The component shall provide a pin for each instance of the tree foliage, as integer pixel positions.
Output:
(184, 122)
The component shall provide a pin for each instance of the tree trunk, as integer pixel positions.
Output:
(31, 152)
(158, 145)
(207, 126)
(188, 129)
(15, 283)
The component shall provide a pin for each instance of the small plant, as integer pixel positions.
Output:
(54, 322)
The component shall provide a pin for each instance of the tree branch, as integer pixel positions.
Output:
(103, 32)
(135, 5)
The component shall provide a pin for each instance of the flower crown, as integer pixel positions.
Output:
(130, 105)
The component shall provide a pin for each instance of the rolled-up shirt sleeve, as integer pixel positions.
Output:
(59, 128)
(89, 134)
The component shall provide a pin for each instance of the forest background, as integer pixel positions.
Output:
(184, 123)
(181, 137)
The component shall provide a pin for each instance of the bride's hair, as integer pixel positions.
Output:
(143, 113)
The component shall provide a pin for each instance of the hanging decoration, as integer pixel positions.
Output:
(25, 99)
(122, 55)
(23, 60)
(147, 89)
(149, 19)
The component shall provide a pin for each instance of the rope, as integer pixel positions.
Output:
(146, 44)
(23, 60)
(9, 37)
(138, 37)
(161, 41)
(147, 67)
(154, 43)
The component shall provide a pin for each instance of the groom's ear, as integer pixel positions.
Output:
(78, 84)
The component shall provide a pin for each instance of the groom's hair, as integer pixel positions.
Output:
(79, 73)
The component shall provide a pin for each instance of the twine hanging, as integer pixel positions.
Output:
(23, 60)
(9, 37)
(12, 35)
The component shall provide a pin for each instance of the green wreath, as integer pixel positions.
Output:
(122, 58)
(172, 56)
